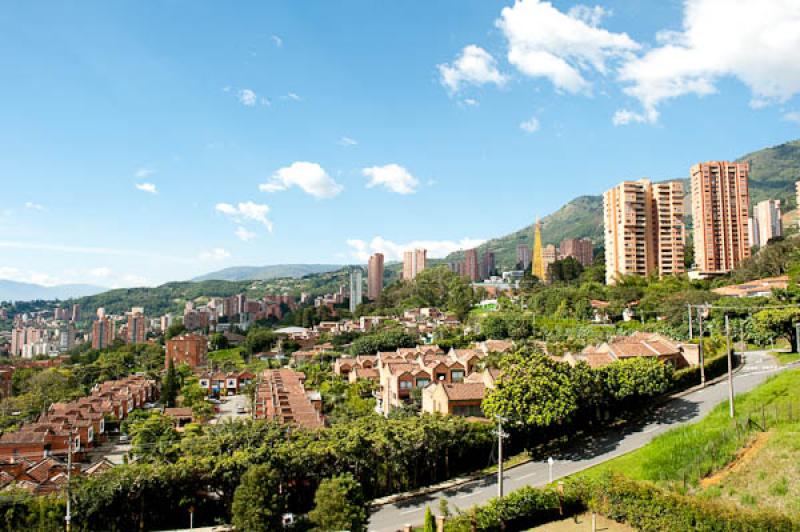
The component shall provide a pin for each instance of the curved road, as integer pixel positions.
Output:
(757, 366)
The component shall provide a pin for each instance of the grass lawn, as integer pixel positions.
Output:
(696, 450)
(227, 358)
(583, 522)
(786, 358)
(770, 478)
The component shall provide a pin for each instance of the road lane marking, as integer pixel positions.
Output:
(466, 495)
(409, 511)
(528, 475)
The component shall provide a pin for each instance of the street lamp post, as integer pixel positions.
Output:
(500, 436)
(730, 366)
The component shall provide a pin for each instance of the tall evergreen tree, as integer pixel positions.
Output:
(170, 385)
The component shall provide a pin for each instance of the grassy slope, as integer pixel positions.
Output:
(669, 456)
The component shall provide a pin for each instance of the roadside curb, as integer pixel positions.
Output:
(458, 481)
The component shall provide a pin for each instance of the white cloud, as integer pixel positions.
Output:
(626, 116)
(214, 254)
(248, 97)
(792, 116)
(531, 125)
(29, 276)
(244, 235)
(247, 210)
(276, 40)
(393, 177)
(147, 187)
(310, 177)
(474, 66)
(34, 206)
(144, 173)
(293, 96)
(562, 47)
(361, 249)
(753, 41)
(101, 272)
(470, 102)
(347, 141)
(592, 16)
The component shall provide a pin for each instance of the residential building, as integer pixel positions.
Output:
(488, 264)
(549, 256)
(720, 204)
(457, 399)
(766, 222)
(471, 266)
(414, 261)
(756, 288)
(523, 256)
(637, 345)
(644, 229)
(76, 313)
(190, 348)
(538, 268)
(281, 396)
(581, 249)
(356, 284)
(137, 327)
(375, 276)
(102, 333)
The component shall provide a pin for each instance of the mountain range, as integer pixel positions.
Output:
(264, 273)
(16, 291)
(773, 173)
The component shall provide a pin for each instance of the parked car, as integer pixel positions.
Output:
(240, 410)
(123, 438)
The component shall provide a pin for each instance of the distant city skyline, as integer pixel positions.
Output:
(149, 143)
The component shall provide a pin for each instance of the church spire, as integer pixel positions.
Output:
(538, 259)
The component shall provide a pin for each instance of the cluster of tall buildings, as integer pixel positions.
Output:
(645, 223)
(414, 261)
(542, 256)
(475, 266)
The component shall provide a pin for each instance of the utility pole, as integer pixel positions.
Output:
(689, 308)
(500, 436)
(730, 366)
(700, 349)
(68, 515)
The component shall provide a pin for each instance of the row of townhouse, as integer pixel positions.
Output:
(38, 477)
(399, 373)
(219, 384)
(637, 345)
(82, 421)
(282, 397)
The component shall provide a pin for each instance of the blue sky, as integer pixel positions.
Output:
(144, 142)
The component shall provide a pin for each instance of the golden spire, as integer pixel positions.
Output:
(538, 260)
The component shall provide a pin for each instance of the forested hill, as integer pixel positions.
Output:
(263, 273)
(773, 173)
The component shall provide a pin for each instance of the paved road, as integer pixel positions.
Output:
(689, 408)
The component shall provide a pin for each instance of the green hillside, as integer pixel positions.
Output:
(262, 273)
(773, 173)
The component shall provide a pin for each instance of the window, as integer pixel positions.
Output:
(457, 375)
(421, 383)
(405, 385)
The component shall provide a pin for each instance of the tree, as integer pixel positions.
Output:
(175, 329)
(339, 505)
(778, 323)
(534, 390)
(154, 438)
(259, 340)
(257, 502)
(429, 524)
(218, 341)
(567, 269)
(170, 385)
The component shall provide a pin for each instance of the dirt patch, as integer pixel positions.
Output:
(743, 457)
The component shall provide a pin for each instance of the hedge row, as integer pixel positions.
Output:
(527, 507)
(687, 377)
(649, 508)
(640, 504)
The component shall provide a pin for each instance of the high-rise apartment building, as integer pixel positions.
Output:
(414, 261)
(581, 249)
(356, 282)
(102, 333)
(523, 256)
(137, 328)
(765, 223)
(487, 264)
(375, 276)
(720, 205)
(644, 229)
(471, 266)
